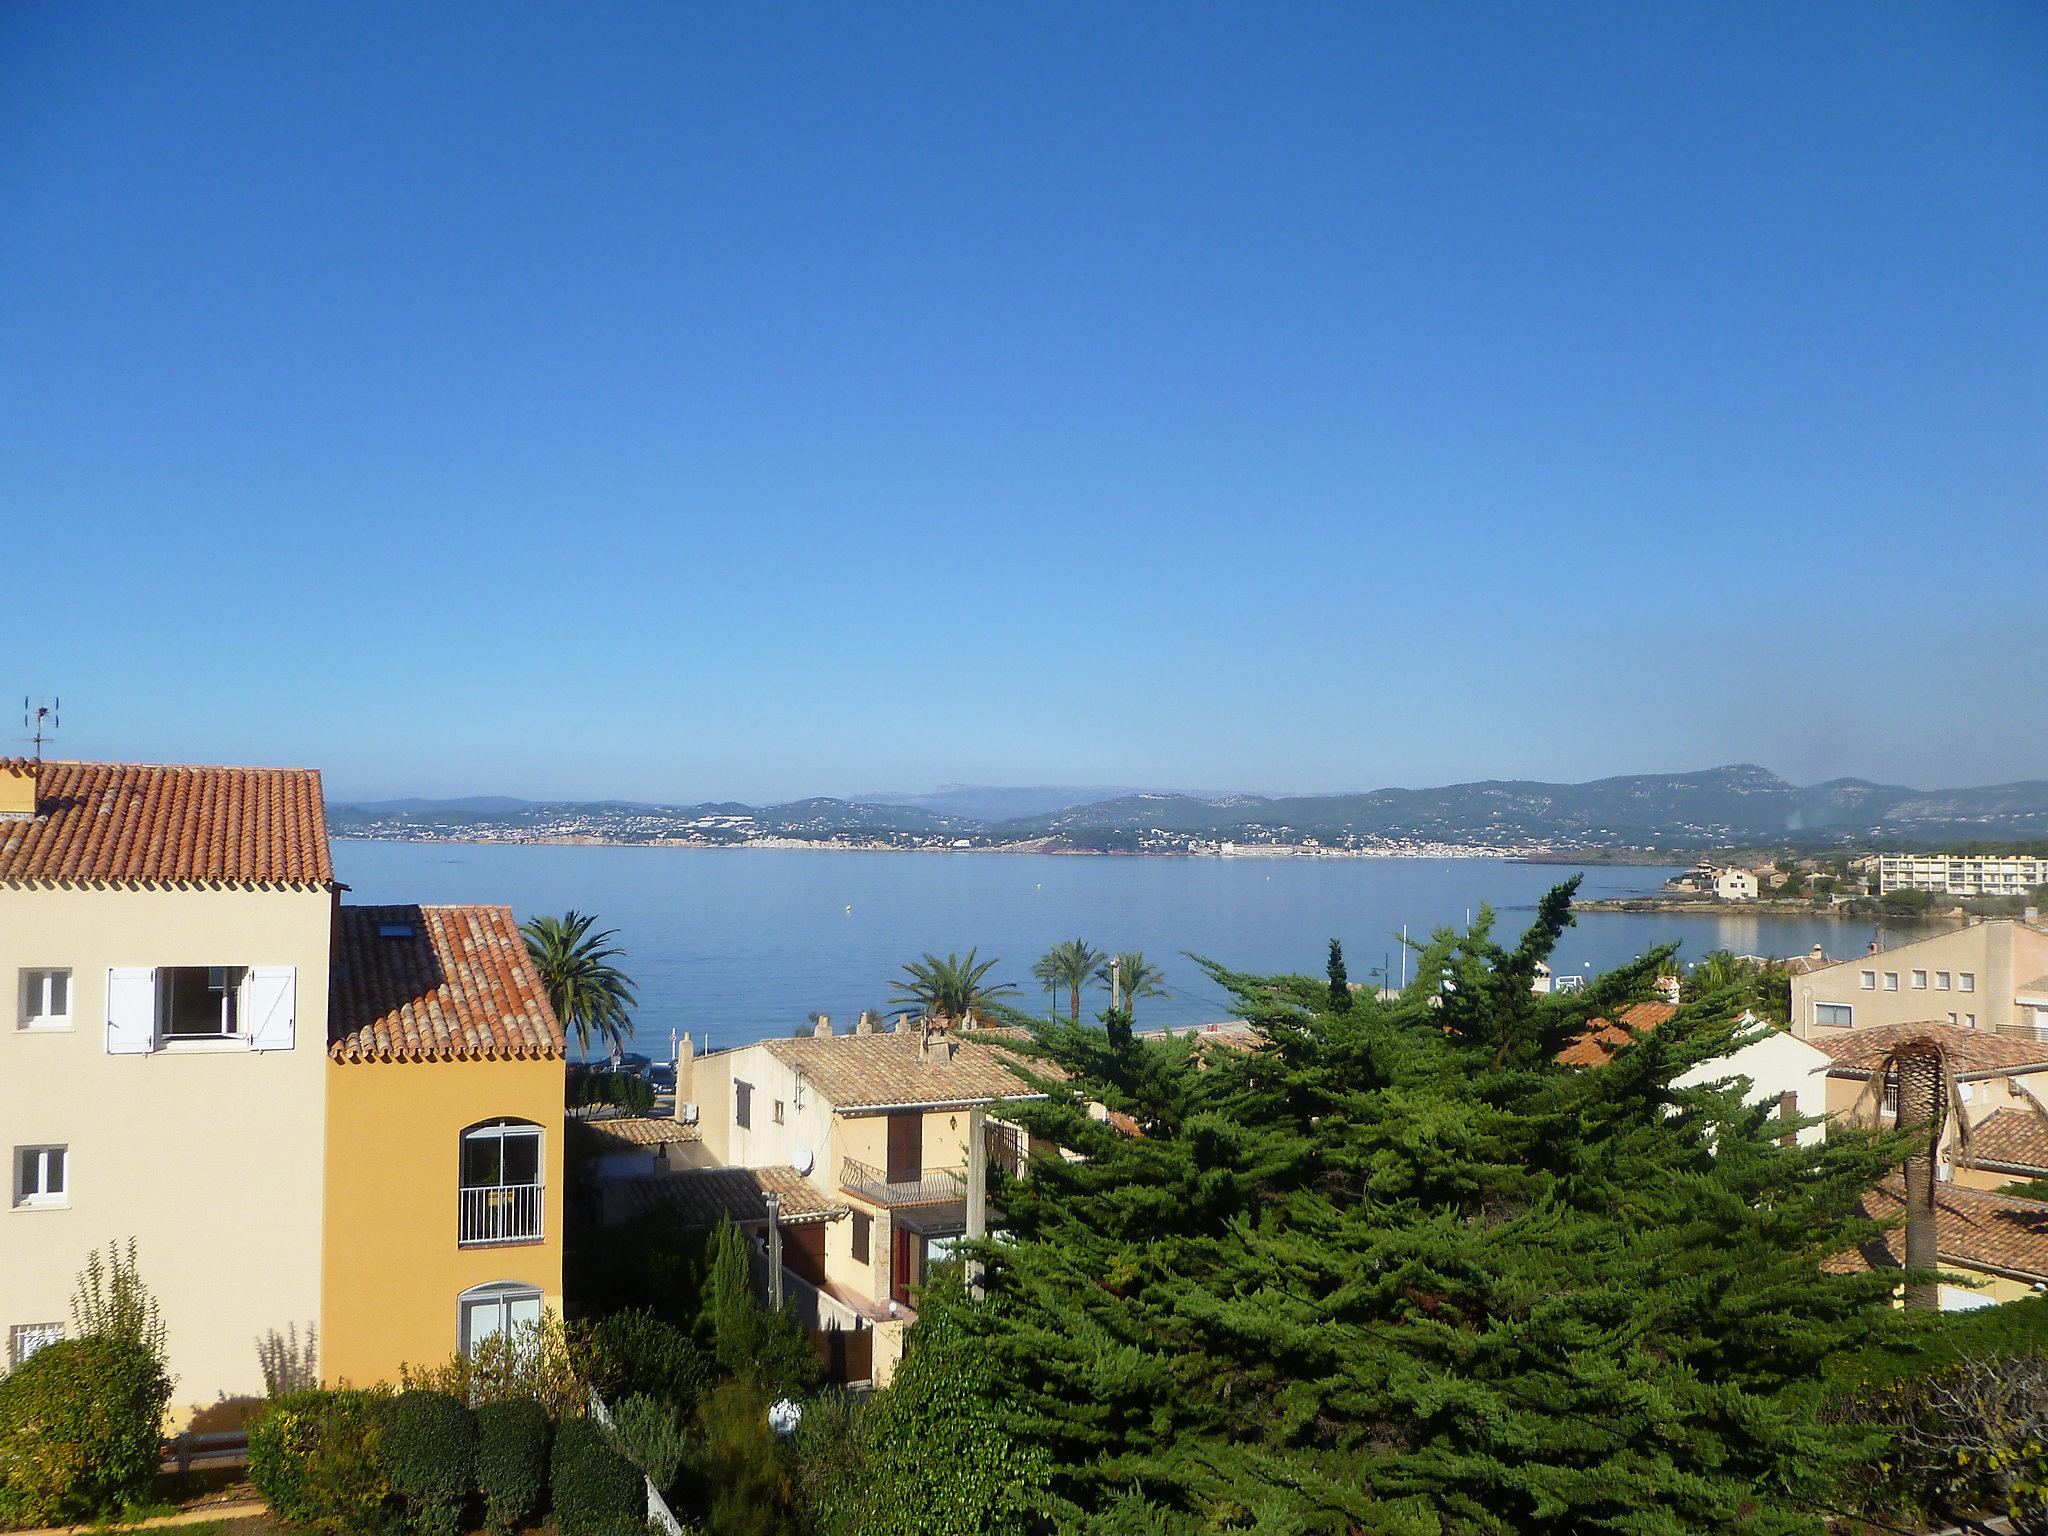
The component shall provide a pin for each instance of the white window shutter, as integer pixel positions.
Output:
(271, 1000)
(131, 1010)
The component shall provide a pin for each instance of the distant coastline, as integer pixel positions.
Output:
(1243, 851)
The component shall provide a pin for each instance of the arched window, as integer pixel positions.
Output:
(501, 1183)
(502, 1307)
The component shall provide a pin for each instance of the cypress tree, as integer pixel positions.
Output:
(1393, 1269)
(1340, 980)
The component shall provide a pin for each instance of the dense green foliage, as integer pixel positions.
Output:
(511, 1462)
(649, 1433)
(595, 1490)
(1340, 979)
(112, 1302)
(743, 1484)
(1129, 976)
(744, 1336)
(1766, 990)
(1394, 1269)
(590, 994)
(429, 1453)
(623, 1090)
(634, 1353)
(1069, 967)
(932, 1456)
(951, 988)
(314, 1458)
(80, 1422)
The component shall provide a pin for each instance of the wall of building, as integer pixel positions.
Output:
(207, 1154)
(394, 1268)
(2000, 953)
(1775, 1065)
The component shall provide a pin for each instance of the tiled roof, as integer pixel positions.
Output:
(436, 984)
(626, 1131)
(130, 824)
(699, 1196)
(2017, 1138)
(1971, 1052)
(1972, 1227)
(1603, 1037)
(869, 1071)
(2038, 987)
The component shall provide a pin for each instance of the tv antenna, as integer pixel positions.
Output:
(39, 718)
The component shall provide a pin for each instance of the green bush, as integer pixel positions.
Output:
(596, 1491)
(511, 1461)
(649, 1434)
(314, 1458)
(636, 1354)
(429, 1453)
(81, 1426)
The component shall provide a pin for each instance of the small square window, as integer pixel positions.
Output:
(1891, 981)
(1970, 1020)
(1941, 981)
(45, 999)
(39, 1176)
(1920, 981)
(1870, 981)
(1951, 1018)
(1966, 981)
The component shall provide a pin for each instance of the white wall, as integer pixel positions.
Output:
(1775, 1065)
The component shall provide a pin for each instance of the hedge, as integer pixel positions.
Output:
(596, 1491)
(511, 1461)
(81, 1423)
(429, 1453)
(314, 1456)
(636, 1354)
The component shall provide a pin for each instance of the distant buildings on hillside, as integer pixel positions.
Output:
(1959, 874)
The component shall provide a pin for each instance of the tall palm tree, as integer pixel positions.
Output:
(590, 995)
(1920, 1068)
(1136, 977)
(1070, 965)
(951, 988)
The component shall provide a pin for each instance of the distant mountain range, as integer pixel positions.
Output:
(1739, 805)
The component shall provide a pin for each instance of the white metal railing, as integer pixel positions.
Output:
(501, 1213)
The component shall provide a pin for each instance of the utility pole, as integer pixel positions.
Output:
(977, 1192)
(1404, 957)
(774, 1251)
(1116, 972)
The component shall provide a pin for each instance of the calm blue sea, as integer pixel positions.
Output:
(741, 944)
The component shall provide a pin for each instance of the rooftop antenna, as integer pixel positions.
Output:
(39, 718)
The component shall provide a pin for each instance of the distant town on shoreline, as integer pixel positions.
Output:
(1655, 817)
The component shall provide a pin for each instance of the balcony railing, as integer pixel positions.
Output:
(502, 1213)
(877, 1188)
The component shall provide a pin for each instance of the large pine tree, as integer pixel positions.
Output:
(1395, 1270)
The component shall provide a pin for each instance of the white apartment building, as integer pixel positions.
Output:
(1961, 874)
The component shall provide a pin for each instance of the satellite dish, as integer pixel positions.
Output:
(804, 1161)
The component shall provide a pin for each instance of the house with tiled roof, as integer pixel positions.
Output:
(340, 1121)
(878, 1121)
(445, 1138)
(1993, 1247)
(164, 946)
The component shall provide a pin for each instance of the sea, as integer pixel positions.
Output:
(737, 945)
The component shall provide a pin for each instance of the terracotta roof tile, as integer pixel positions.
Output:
(2016, 1138)
(700, 1196)
(1972, 1052)
(129, 823)
(436, 984)
(869, 1071)
(626, 1131)
(1603, 1037)
(1971, 1227)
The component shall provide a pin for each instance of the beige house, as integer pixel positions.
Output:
(1991, 975)
(874, 1127)
(164, 948)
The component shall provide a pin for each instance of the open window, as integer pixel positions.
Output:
(45, 999)
(199, 1002)
(171, 1006)
(501, 1183)
(42, 1176)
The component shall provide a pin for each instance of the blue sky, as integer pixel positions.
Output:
(674, 402)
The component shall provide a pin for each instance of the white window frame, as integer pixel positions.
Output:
(1966, 981)
(477, 1225)
(1941, 981)
(24, 1339)
(1870, 981)
(36, 983)
(1919, 981)
(1822, 1010)
(502, 1295)
(1891, 981)
(208, 1039)
(41, 1197)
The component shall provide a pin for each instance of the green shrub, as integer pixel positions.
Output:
(314, 1458)
(429, 1453)
(636, 1354)
(81, 1426)
(511, 1461)
(649, 1434)
(596, 1491)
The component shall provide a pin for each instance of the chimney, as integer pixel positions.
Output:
(1818, 953)
(2031, 915)
(823, 1028)
(1668, 986)
(924, 1042)
(1873, 947)
(902, 1023)
(18, 788)
(866, 1026)
(686, 1060)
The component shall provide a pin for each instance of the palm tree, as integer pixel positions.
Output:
(951, 988)
(1920, 1068)
(1070, 965)
(590, 995)
(1136, 977)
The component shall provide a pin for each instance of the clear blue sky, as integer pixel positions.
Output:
(678, 402)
